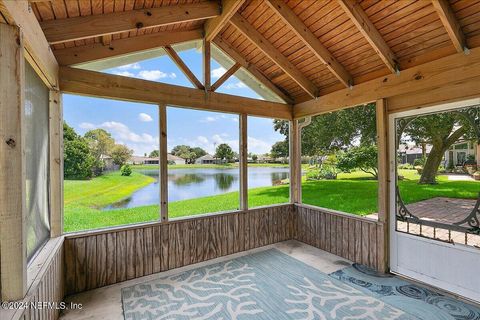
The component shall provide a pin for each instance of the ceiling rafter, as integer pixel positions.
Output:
(98, 51)
(215, 25)
(182, 66)
(225, 76)
(61, 30)
(274, 54)
(356, 14)
(237, 57)
(451, 24)
(311, 41)
(207, 76)
(85, 82)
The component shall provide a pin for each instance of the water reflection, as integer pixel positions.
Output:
(187, 183)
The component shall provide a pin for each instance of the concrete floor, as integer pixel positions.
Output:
(105, 303)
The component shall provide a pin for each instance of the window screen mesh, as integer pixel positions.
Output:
(36, 150)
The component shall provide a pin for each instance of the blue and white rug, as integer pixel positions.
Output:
(416, 300)
(264, 285)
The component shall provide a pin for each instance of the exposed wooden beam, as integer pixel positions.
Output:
(56, 163)
(90, 83)
(13, 259)
(311, 41)
(207, 75)
(237, 57)
(163, 162)
(182, 66)
(37, 49)
(355, 12)
(98, 51)
(432, 76)
(225, 76)
(243, 161)
(450, 23)
(274, 54)
(69, 29)
(215, 25)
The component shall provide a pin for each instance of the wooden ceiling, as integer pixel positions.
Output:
(304, 48)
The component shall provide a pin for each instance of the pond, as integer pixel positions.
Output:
(192, 183)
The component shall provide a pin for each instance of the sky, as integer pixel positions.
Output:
(136, 124)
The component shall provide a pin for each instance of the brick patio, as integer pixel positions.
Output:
(444, 210)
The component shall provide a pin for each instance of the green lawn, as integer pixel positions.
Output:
(354, 193)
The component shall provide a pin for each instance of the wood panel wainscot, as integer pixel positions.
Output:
(99, 258)
(45, 285)
(355, 238)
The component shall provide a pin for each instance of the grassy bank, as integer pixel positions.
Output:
(354, 193)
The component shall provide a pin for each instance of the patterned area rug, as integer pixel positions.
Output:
(264, 285)
(418, 301)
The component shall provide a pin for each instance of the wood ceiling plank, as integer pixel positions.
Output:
(215, 25)
(98, 51)
(268, 49)
(311, 41)
(371, 34)
(84, 82)
(76, 28)
(451, 24)
(182, 66)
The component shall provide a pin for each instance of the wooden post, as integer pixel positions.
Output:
(163, 163)
(295, 163)
(12, 163)
(383, 182)
(56, 163)
(206, 65)
(243, 162)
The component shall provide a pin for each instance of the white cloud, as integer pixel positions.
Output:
(209, 119)
(144, 117)
(87, 125)
(140, 143)
(235, 85)
(258, 146)
(218, 72)
(153, 75)
(202, 139)
(124, 73)
(135, 66)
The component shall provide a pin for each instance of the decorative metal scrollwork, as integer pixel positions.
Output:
(473, 219)
(472, 115)
(402, 211)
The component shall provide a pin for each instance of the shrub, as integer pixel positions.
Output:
(324, 173)
(420, 162)
(126, 170)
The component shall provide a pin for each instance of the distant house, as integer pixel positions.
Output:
(458, 153)
(207, 159)
(408, 153)
(136, 160)
(265, 159)
(174, 159)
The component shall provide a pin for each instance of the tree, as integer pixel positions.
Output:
(77, 158)
(254, 158)
(362, 158)
(121, 154)
(224, 152)
(101, 143)
(279, 150)
(188, 153)
(335, 131)
(440, 131)
(154, 154)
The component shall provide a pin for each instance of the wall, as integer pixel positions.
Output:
(45, 283)
(96, 259)
(358, 239)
